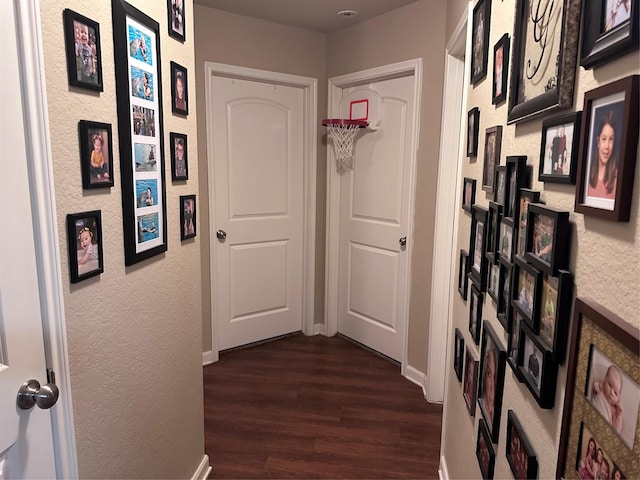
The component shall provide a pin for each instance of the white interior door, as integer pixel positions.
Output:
(374, 214)
(258, 202)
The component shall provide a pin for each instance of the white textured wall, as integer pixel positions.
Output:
(603, 259)
(134, 333)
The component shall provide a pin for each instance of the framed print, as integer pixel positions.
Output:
(84, 55)
(504, 310)
(458, 353)
(500, 70)
(480, 40)
(500, 185)
(527, 196)
(516, 177)
(492, 365)
(468, 193)
(484, 451)
(84, 239)
(473, 124)
(526, 295)
(179, 158)
(187, 216)
(136, 41)
(537, 368)
(475, 312)
(594, 458)
(493, 235)
(478, 261)
(463, 270)
(602, 344)
(547, 245)
(96, 154)
(609, 30)
(520, 455)
(555, 306)
(492, 147)
(493, 282)
(175, 11)
(559, 149)
(544, 57)
(608, 149)
(513, 345)
(179, 94)
(470, 382)
(506, 239)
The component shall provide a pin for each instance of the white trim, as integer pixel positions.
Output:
(416, 376)
(207, 358)
(336, 84)
(309, 87)
(203, 470)
(443, 471)
(319, 329)
(43, 200)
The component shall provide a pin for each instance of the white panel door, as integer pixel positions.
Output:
(258, 202)
(374, 213)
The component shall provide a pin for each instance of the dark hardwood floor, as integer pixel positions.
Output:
(316, 407)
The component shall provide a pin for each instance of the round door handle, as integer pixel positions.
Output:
(222, 235)
(402, 241)
(31, 393)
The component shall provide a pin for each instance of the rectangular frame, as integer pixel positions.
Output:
(493, 220)
(520, 454)
(513, 345)
(506, 233)
(558, 157)
(188, 217)
(179, 89)
(492, 150)
(527, 196)
(526, 294)
(96, 171)
(500, 185)
(136, 39)
(458, 354)
(477, 246)
(548, 257)
(500, 70)
(179, 156)
(614, 105)
(504, 310)
(81, 227)
(470, 385)
(484, 451)
(468, 193)
(463, 270)
(493, 281)
(480, 40)
(516, 178)
(491, 350)
(537, 368)
(84, 60)
(175, 20)
(473, 127)
(476, 301)
(556, 296)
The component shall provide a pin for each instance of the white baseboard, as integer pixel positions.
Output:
(319, 329)
(207, 358)
(415, 376)
(203, 470)
(443, 472)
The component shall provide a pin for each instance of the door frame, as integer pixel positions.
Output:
(336, 85)
(309, 88)
(45, 223)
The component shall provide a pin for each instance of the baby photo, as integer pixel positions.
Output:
(548, 309)
(614, 395)
(593, 461)
(84, 232)
(97, 160)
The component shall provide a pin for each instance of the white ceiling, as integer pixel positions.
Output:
(317, 15)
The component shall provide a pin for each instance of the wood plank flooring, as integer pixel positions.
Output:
(316, 407)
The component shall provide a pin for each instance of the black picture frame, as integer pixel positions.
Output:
(500, 185)
(179, 156)
(527, 197)
(513, 344)
(601, 44)
(543, 63)
(516, 177)
(492, 149)
(176, 19)
(458, 354)
(556, 296)
(96, 154)
(83, 51)
(547, 224)
(85, 229)
(492, 351)
(484, 451)
(179, 89)
(468, 193)
(520, 454)
(140, 129)
(527, 282)
(500, 70)
(504, 311)
(537, 368)
(614, 103)
(493, 234)
(470, 384)
(476, 301)
(493, 281)
(480, 40)
(463, 270)
(473, 127)
(559, 149)
(506, 233)
(477, 246)
(188, 217)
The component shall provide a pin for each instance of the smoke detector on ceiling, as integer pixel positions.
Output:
(347, 13)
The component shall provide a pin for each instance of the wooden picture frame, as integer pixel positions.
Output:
(492, 148)
(544, 65)
(527, 282)
(537, 368)
(179, 156)
(179, 89)
(556, 296)
(188, 216)
(463, 270)
(610, 110)
(500, 70)
(605, 35)
(493, 232)
(493, 355)
(484, 451)
(504, 311)
(520, 454)
(136, 39)
(548, 231)
(559, 149)
(96, 154)
(83, 51)
(473, 127)
(527, 197)
(470, 385)
(84, 242)
(480, 40)
(597, 329)
(458, 354)
(476, 301)
(176, 19)
(500, 186)
(468, 193)
(477, 246)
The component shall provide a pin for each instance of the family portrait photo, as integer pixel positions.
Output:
(593, 461)
(522, 460)
(559, 148)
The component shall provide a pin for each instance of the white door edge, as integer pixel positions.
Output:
(336, 84)
(43, 200)
(309, 87)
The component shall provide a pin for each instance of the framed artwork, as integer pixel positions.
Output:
(179, 157)
(516, 177)
(506, 239)
(500, 70)
(136, 39)
(96, 154)
(176, 17)
(504, 310)
(458, 353)
(84, 55)
(559, 149)
(473, 124)
(478, 260)
(179, 94)
(187, 216)
(475, 312)
(527, 196)
(470, 381)
(500, 185)
(547, 245)
(608, 149)
(605, 349)
(463, 270)
(480, 40)
(493, 235)
(537, 368)
(484, 451)
(544, 57)
(492, 147)
(520, 455)
(526, 294)
(555, 307)
(493, 282)
(468, 193)
(609, 30)
(492, 365)
(513, 345)
(84, 239)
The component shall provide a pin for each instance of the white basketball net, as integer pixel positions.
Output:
(342, 136)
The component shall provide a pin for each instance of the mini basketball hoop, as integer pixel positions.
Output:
(343, 131)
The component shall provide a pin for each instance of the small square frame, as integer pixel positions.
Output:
(480, 40)
(525, 278)
(500, 76)
(473, 127)
(492, 149)
(463, 270)
(468, 193)
(491, 346)
(476, 302)
(458, 354)
(93, 176)
(559, 153)
(179, 167)
(176, 19)
(75, 64)
(179, 74)
(547, 257)
(91, 262)
(520, 454)
(187, 216)
(536, 360)
(470, 384)
(484, 451)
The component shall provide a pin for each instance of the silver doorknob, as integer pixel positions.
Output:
(222, 235)
(403, 241)
(31, 393)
